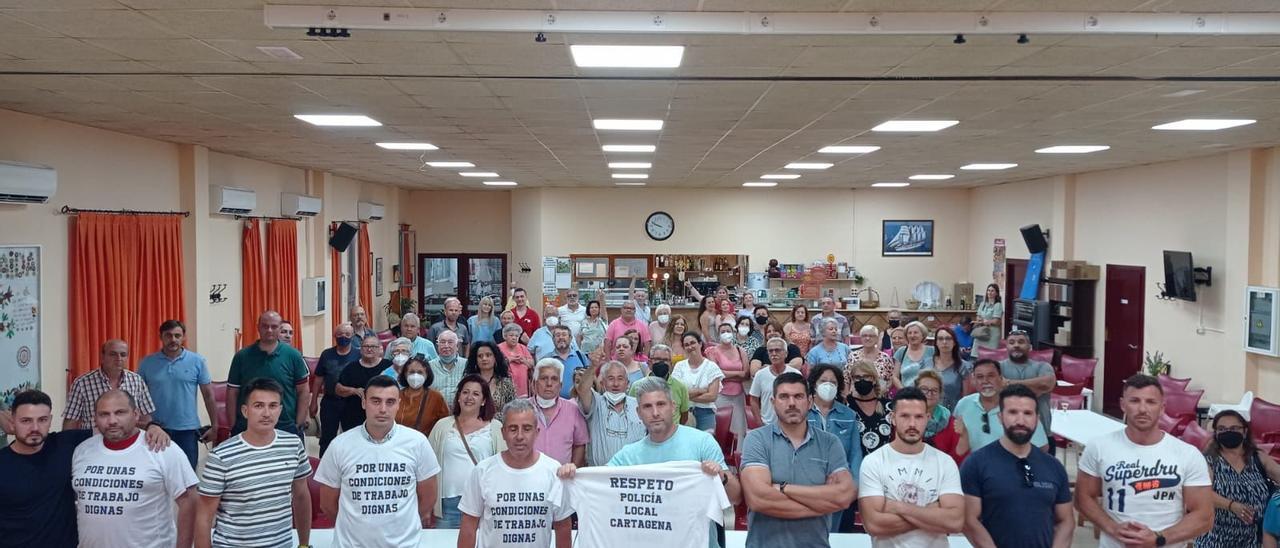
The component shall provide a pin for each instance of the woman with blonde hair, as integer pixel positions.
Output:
(485, 325)
(916, 355)
(886, 368)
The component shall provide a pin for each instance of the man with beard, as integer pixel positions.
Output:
(980, 410)
(794, 477)
(911, 495)
(1141, 486)
(1019, 368)
(1031, 508)
(611, 414)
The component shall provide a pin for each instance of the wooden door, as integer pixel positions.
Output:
(1122, 353)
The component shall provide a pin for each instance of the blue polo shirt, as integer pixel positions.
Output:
(969, 409)
(173, 384)
(574, 362)
(819, 456)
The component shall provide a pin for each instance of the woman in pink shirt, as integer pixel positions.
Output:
(733, 363)
(519, 360)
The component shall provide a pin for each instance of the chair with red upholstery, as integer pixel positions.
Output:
(1043, 355)
(319, 520)
(989, 354)
(385, 338)
(1181, 407)
(1264, 421)
(1196, 435)
(724, 436)
(220, 406)
(753, 419)
(1170, 384)
(1078, 370)
(311, 364)
(1068, 389)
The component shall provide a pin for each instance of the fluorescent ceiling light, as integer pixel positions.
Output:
(451, 164)
(987, 167)
(808, 165)
(915, 125)
(629, 148)
(280, 52)
(760, 184)
(630, 165)
(890, 185)
(1203, 124)
(787, 176)
(931, 177)
(630, 175)
(344, 120)
(848, 149)
(1072, 149)
(408, 146)
(627, 125)
(1184, 93)
(500, 183)
(478, 174)
(627, 56)
(629, 184)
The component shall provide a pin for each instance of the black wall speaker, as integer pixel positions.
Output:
(342, 237)
(1034, 238)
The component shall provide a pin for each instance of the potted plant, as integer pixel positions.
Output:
(396, 306)
(1155, 364)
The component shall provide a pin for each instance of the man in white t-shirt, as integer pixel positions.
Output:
(513, 499)
(761, 395)
(1141, 486)
(385, 474)
(910, 494)
(125, 494)
(572, 313)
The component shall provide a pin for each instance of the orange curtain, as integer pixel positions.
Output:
(366, 269)
(126, 278)
(253, 275)
(335, 282)
(282, 273)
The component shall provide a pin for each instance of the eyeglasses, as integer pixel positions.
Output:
(370, 346)
(1028, 478)
(986, 423)
(932, 392)
(1239, 429)
(776, 350)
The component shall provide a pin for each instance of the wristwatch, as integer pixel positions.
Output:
(1160, 540)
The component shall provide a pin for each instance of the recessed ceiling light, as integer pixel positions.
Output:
(931, 177)
(627, 125)
(500, 183)
(915, 125)
(627, 56)
(890, 185)
(451, 164)
(408, 146)
(343, 120)
(478, 174)
(787, 176)
(760, 184)
(808, 165)
(629, 184)
(987, 167)
(629, 148)
(630, 175)
(630, 165)
(1203, 124)
(848, 149)
(1072, 149)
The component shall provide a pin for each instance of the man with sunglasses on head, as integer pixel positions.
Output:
(1015, 495)
(980, 410)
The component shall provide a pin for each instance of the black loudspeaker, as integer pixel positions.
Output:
(342, 237)
(1034, 238)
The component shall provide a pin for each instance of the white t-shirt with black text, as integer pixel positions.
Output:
(698, 379)
(125, 497)
(664, 505)
(920, 479)
(516, 507)
(378, 504)
(1143, 483)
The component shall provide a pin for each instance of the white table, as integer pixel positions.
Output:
(437, 538)
(1082, 426)
(1087, 393)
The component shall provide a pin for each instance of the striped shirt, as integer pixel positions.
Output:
(255, 483)
(90, 386)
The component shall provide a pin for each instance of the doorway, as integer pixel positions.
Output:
(467, 276)
(1122, 351)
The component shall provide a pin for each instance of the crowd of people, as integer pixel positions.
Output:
(472, 421)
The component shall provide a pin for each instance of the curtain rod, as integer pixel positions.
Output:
(266, 218)
(68, 210)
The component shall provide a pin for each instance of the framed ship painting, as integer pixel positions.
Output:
(907, 239)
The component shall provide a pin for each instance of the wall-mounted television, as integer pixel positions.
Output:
(1179, 275)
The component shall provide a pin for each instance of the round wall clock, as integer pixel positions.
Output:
(660, 225)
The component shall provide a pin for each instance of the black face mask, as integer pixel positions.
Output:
(660, 369)
(1229, 439)
(863, 387)
(762, 319)
(895, 323)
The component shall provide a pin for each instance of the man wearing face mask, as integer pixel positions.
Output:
(611, 415)
(562, 431)
(894, 318)
(829, 311)
(826, 382)
(448, 367)
(761, 396)
(324, 384)
(355, 376)
(980, 410)
(660, 367)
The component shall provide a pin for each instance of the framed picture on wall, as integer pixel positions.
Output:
(377, 276)
(1262, 309)
(20, 308)
(907, 238)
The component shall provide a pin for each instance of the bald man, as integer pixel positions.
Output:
(452, 321)
(112, 374)
(269, 357)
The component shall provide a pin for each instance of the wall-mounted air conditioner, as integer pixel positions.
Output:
(26, 183)
(299, 205)
(315, 296)
(229, 200)
(369, 211)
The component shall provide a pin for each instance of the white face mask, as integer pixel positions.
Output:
(726, 337)
(826, 391)
(416, 380)
(664, 318)
(743, 331)
(614, 397)
(400, 360)
(553, 321)
(546, 403)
